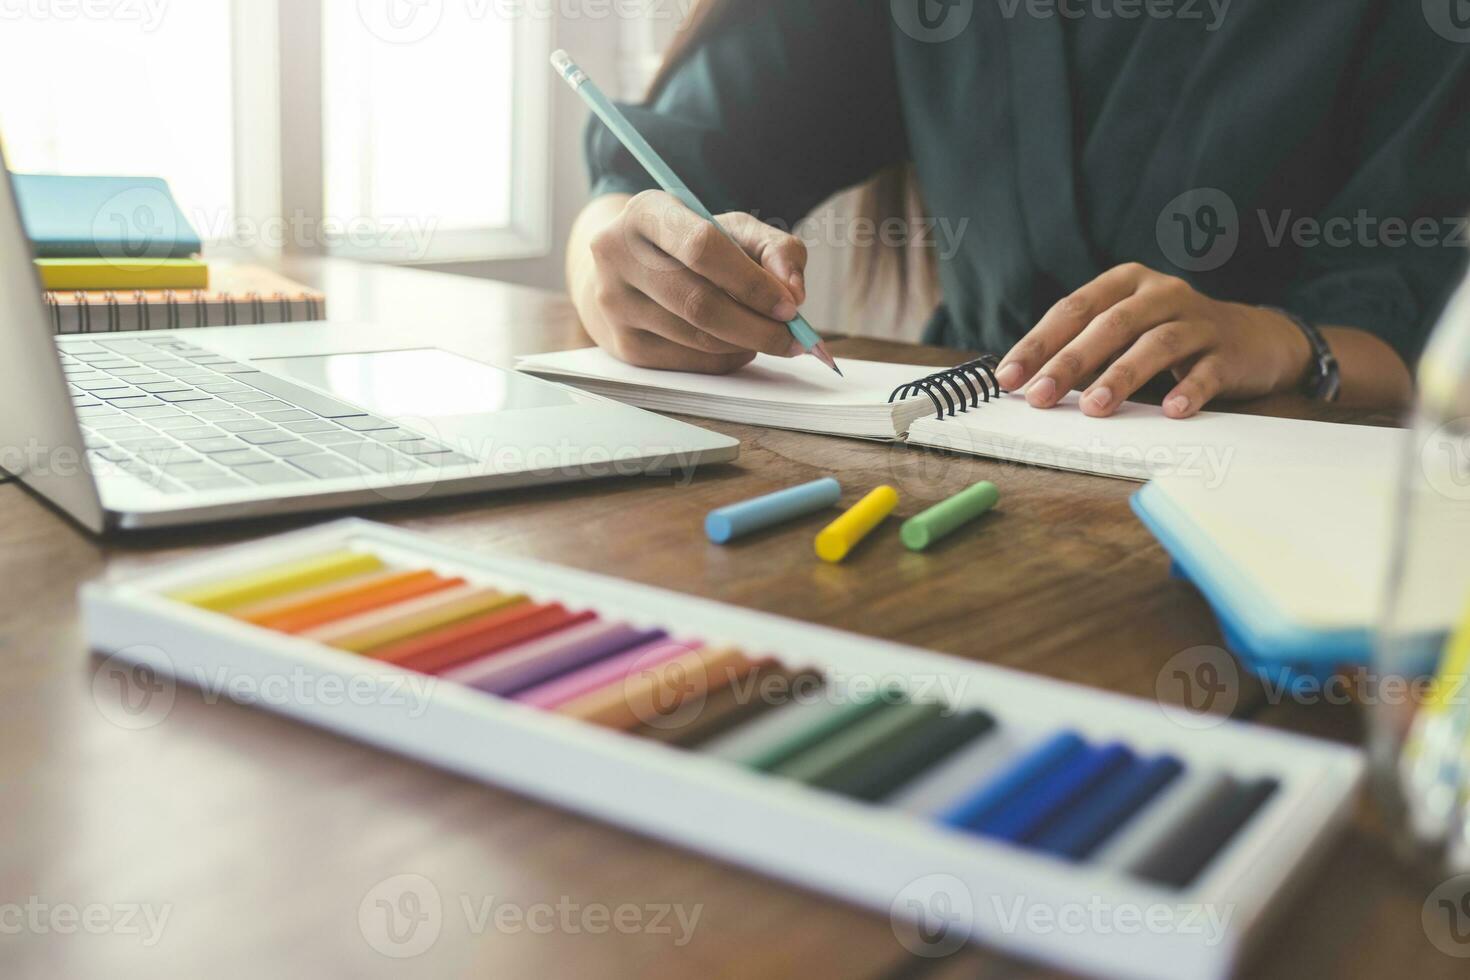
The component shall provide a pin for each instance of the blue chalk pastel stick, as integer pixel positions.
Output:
(1030, 813)
(737, 520)
(1088, 825)
(1017, 779)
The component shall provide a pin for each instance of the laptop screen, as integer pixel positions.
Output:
(40, 442)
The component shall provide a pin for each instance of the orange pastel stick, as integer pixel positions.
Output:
(363, 598)
(392, 624)
(647, 695)
(478, 637)
(270, 607)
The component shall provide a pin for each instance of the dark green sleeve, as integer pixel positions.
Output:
(785, 103)
(1398, 246)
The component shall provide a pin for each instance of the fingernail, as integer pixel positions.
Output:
(1043, 393)
(795, 350)
(1179, 405)
(785, 311)
(1009, 376)
(1101, 400)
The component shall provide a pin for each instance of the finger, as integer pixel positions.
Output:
(700, 303)
(1106, 336)
(702, 247)
(1158, 350)
(643, 349)
(1066, 320)
(782, 254)
(637, 312)
(1200, 386)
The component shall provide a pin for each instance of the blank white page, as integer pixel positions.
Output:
(801, 381)
(1140, 442)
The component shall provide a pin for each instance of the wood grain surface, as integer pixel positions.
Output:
(265, 839)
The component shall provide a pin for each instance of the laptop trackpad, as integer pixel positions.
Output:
(424, 384)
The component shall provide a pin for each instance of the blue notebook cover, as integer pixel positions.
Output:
(1256, 629)
(104, 217)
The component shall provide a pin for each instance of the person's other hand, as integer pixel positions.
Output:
(1118, 332)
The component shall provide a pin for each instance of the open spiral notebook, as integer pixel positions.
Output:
(963, 410)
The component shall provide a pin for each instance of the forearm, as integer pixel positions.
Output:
(1373, 374)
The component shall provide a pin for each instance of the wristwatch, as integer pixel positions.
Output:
(1324, 382)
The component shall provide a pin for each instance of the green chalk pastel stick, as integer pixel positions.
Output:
(861, 739)
(942, 520)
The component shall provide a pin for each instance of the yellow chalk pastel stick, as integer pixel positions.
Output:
(844, 534)
(278, 580)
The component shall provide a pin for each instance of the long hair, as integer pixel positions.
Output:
(892, 193)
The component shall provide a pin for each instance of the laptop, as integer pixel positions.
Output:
(161, 428)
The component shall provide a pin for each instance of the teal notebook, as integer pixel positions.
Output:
(104, 217)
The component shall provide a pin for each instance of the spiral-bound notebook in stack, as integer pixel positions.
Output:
(239, 295)
(963, 409)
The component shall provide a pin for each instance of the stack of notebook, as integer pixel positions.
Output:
(96, 233)
(964, 411)
(117, 253)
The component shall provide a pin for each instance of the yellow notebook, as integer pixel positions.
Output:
(86, 274)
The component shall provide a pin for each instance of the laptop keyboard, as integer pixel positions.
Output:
(182, 418)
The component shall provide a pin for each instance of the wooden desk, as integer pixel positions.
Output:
(264, 837)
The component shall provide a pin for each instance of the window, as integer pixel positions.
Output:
(428, 120)
(125, 95)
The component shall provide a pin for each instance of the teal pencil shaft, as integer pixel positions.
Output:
(942, 520)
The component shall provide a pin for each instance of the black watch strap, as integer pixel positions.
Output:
(1325, 381)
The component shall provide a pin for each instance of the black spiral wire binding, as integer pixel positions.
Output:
(970, 384)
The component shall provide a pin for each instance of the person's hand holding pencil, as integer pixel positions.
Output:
(664, 283)
(665, 289)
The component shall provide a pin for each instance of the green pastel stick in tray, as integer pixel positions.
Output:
(942, 520)
(866, 736)
(790, 730)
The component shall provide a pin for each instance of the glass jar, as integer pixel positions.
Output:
(1419, 720)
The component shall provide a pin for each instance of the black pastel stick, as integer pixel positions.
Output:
(906, 758)
(1189, 847)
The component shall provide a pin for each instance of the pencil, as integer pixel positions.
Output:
(660, 171)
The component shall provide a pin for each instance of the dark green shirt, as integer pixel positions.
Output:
(1296, 153)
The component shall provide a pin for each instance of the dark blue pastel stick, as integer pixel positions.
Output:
(1030, 813)
(1016, 779)
(1081, 831)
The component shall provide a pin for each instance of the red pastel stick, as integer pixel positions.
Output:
(453, 645)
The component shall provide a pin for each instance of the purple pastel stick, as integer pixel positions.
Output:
(539, 660)
(612, 670)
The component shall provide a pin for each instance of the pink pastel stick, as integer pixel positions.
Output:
(613, 670)
(537, 661)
